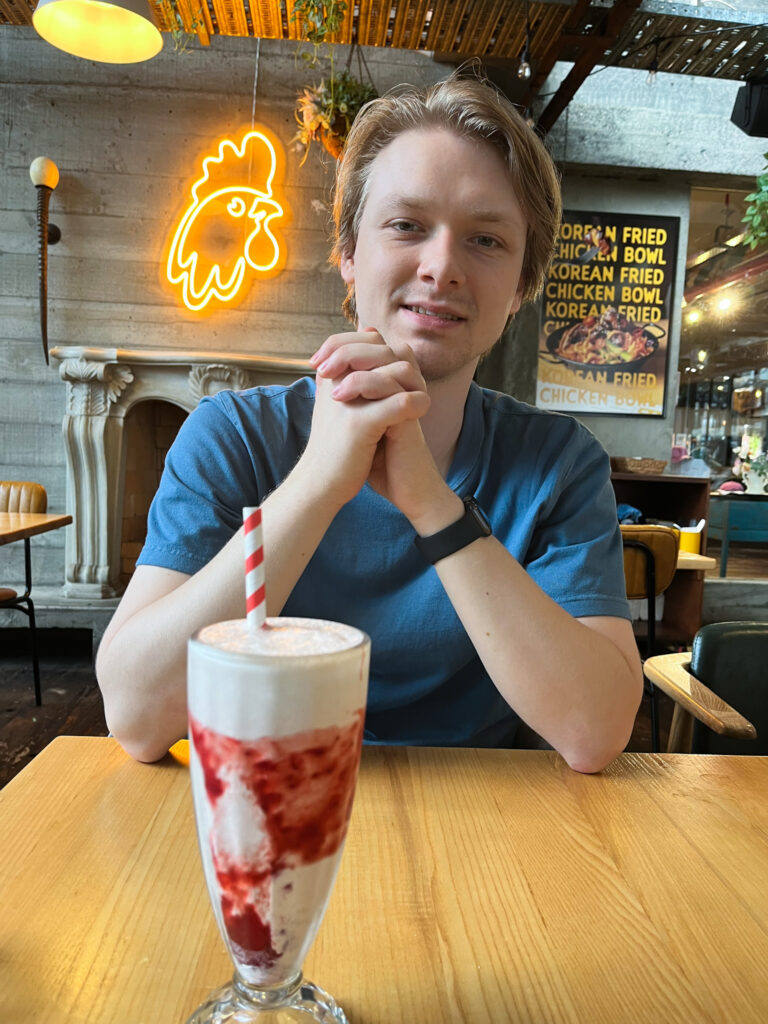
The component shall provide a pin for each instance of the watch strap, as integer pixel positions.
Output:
(472, 525)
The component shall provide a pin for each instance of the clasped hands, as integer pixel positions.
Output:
(370, 397)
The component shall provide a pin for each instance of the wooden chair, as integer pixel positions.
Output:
(23, 496)
(726, 670)
(650, 562)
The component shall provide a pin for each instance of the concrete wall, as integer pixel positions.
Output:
(680, 124)
(127, 141)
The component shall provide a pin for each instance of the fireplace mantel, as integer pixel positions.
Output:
(103, 384)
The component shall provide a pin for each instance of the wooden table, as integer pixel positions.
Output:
(691, 560)
(23, 525)
(476, 886)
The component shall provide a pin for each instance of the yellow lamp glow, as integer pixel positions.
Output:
(724, 304)
(121, 32)
(694, 316)
(225, 235)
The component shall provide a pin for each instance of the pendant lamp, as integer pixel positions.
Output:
(120, 32)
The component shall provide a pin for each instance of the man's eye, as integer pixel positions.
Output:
(486, 242)
(404, 225)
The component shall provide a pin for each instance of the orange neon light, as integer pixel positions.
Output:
(224, 237)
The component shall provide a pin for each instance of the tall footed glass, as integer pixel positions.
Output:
(275, 725)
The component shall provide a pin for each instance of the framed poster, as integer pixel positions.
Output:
(604, 327)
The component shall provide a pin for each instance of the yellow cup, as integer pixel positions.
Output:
(690, 540)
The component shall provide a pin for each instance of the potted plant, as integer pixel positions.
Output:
(325, 112)
(755, 474)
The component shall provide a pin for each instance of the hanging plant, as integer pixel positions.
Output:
(318, 20)
(181, 35)
(757, 213)
(325, 112)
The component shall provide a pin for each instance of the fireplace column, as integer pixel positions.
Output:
(93, 434)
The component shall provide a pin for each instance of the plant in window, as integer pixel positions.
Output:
(756, 217)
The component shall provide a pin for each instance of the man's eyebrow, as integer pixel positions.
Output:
(414, 204)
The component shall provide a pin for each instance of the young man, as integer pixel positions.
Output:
(377, 485)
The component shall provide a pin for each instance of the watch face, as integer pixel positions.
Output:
(480, 516)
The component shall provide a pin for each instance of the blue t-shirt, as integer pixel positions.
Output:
(541, 478)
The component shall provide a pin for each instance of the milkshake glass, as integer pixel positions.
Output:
(275, 726)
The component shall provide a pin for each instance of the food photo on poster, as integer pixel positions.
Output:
(604, 326)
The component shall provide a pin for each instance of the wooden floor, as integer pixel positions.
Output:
(745, 561)
(72, 707)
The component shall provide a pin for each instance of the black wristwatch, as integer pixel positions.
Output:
(473, 524)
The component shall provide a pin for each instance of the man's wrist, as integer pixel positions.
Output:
(439, 514)
(471, 526)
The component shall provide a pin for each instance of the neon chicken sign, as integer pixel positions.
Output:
(225, 236)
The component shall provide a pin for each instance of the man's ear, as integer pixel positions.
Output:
(517, 301)
(347, 269)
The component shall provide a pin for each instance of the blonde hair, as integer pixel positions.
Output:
(471, 108)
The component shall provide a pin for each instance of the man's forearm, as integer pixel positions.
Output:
(142, 663)
(569, 682)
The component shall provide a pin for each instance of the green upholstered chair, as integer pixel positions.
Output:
(720, 690)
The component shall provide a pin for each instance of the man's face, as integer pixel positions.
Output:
(440, 249)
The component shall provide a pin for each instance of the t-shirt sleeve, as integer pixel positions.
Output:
(208, 478)
(576, 554)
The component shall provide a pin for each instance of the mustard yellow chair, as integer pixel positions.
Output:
(650, 562)
(23, 496)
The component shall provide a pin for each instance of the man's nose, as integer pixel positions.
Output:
(442, 260)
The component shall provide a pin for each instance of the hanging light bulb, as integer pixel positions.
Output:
(524, 67)
(654, 65)
(118, 32)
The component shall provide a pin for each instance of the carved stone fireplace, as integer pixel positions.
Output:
(103, 385)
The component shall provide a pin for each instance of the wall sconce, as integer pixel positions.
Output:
(45, 177)
(114, 32)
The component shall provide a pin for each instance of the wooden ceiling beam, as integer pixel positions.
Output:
(604, 34)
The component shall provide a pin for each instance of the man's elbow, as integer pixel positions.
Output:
(594, 753)
(137, 743)
(135, 734)
(591, 762)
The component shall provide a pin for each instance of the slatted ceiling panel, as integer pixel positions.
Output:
(414, 24)
(496, 25)
(480, 26)
(17, 12)
(399, 26)
(191, 11)
(446, 18)
(547, 22)
(687, 52)
(700, 48)
(384, 28)
(267, 19)
(347, 32)
(753, 55)
(230, 18)
(368, 15)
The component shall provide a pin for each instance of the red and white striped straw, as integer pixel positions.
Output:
(255, 590)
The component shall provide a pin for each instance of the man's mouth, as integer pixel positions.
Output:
(437, 313)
